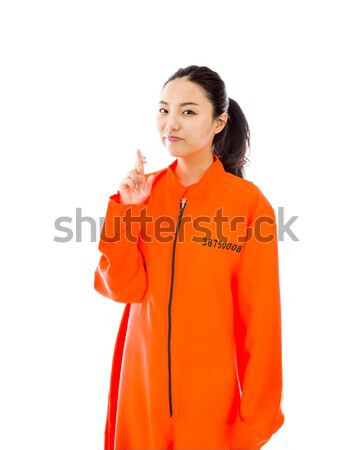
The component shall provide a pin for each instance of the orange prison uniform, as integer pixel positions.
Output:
(197, 362)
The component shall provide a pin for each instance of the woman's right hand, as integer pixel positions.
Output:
(134, 188)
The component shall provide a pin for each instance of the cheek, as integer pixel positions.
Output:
(159, 121)
(199, 130)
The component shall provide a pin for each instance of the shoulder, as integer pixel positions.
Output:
(246, 192)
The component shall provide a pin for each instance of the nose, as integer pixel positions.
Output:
(172, 123)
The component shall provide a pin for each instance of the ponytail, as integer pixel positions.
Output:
(231, 144)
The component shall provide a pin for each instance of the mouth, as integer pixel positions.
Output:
(172, 138)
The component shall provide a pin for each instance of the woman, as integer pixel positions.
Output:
(192, 251)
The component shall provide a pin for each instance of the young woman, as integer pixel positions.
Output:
(192, 251)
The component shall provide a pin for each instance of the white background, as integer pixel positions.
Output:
(80, 84)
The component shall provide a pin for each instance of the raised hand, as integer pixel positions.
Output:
(135, 187)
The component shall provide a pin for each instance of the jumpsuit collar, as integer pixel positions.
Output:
(206, 183)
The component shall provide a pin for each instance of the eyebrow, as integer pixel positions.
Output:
(181, 104)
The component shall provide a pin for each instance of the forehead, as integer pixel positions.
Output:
(180, 90)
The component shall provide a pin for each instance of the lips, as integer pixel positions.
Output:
(173, 138)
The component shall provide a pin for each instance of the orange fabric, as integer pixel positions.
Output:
(197, 362)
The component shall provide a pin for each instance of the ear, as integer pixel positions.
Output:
(221, 122)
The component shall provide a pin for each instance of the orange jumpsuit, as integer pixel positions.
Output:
(197, 362)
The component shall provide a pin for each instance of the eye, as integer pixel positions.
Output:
(161, 110)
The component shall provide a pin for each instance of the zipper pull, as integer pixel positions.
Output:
(182, 203)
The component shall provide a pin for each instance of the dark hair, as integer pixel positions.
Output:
(230, 145)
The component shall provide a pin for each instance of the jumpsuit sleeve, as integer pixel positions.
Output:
(258, 332)
(121, 273)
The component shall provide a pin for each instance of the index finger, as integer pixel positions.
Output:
(139, 163)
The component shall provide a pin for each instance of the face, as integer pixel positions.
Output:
(192, 123)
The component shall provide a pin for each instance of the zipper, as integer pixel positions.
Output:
(182, 203)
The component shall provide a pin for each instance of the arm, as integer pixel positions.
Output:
(258, 334)
(120, 274)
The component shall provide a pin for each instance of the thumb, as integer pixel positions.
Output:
(148, 184)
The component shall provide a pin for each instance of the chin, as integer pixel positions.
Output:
(179, 150)
(176, 153)
(173, 152)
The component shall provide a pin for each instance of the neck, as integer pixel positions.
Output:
(190, 169)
